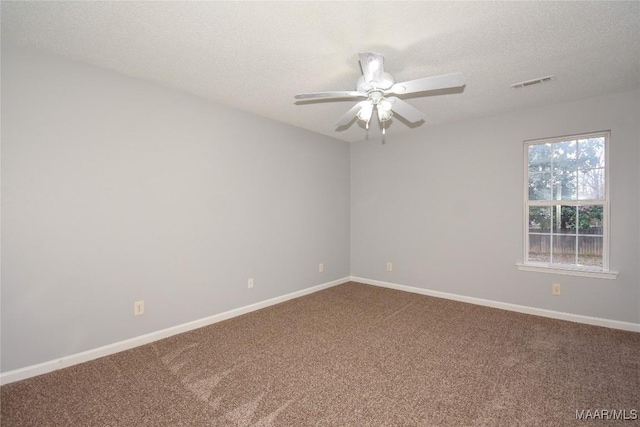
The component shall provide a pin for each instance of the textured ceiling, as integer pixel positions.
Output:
(255, 56)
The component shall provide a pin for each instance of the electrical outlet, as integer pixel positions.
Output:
(556, 289)
(321, 267)
(250, 283)
(389, 266)
(138, 308)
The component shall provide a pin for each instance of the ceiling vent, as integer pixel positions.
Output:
(532, 82)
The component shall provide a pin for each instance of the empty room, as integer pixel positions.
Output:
(282, 213)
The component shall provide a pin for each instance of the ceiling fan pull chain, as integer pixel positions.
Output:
(384, 140)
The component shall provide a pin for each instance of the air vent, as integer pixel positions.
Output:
(532, 82)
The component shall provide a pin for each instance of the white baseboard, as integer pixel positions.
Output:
(85, 356)
(607, 323)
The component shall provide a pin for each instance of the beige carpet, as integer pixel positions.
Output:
(351, 355)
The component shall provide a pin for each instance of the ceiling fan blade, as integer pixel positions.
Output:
(349, 115)
(428, 83)
(335, 94)
(372, 67)
(406, 110)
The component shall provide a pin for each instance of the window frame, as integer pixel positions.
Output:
(569, 269)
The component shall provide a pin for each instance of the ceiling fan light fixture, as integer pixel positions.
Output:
(365, 112)
(384, 115)
(384, 109)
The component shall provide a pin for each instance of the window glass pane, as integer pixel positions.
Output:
(590, 220)
(565, 155)
(539, 248)
(591, 184)
(540, 158)
(591, 153)
(564, 249)
(540, 219)
(590, 251)
(564, 219)
(565, 185)
(560, 174)
(540, 186)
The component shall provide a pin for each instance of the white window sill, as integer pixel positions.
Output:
(569, 271)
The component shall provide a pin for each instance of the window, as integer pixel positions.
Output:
(567, 205)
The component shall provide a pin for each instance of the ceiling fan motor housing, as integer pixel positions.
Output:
(385, 82)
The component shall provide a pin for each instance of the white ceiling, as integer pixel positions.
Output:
(255, 56)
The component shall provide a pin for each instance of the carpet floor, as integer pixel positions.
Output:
(350, 355)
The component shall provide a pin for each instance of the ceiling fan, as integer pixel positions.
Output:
(379, 88)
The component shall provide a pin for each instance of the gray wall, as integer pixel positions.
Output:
(445, 205)
(116, 190)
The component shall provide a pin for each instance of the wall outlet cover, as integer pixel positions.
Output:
(138, 308)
